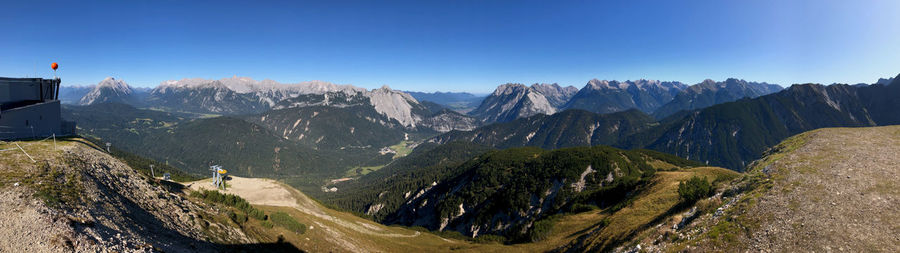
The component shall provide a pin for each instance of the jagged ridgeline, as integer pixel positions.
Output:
(504, 192)
(730, 134)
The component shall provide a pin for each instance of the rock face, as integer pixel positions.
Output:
(110, 90)
(447, 120)
(709, 93)
(395, 105)
(512, 101)
(555, 94)
(603, 96)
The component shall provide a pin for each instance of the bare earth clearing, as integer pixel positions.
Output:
(827, 190)
(838, 192)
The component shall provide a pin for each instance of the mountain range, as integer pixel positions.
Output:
(709, 93)
(734, 134)
(512, 101)
(527, 158)
(603, 96)
(729, 134)
(536, 115)
(242, 95)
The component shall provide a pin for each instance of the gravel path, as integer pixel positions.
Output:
(838, 192)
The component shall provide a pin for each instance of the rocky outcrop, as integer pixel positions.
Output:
(555, 94)
(447, 120)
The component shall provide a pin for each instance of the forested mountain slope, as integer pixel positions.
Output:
(730, 135)
(709, 93)
(734, 134)
(569, 128)
(504, 192)
(382, 192)
(194, 144)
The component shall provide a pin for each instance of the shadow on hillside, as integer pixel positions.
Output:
(263, 247)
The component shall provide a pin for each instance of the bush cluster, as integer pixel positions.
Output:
(230, 200)
(694, 189)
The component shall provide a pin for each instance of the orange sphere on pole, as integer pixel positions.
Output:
(54, 66)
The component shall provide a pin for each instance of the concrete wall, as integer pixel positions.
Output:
(31, 121)
(22, 89)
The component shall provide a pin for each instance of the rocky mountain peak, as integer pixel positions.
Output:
(108, 90)
(119, 86)
(511, 101)
(602, 84)
(395, 104)
(885, 81)
(508, 88)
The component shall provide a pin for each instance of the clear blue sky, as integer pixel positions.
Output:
(453, 45)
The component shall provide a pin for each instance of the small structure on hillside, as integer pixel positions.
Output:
(29, 108)
(218, 176)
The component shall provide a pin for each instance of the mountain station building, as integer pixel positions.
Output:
(30, 108)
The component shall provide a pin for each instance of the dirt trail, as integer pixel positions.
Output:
(838, 192)
(260, 191)
(257, 191)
